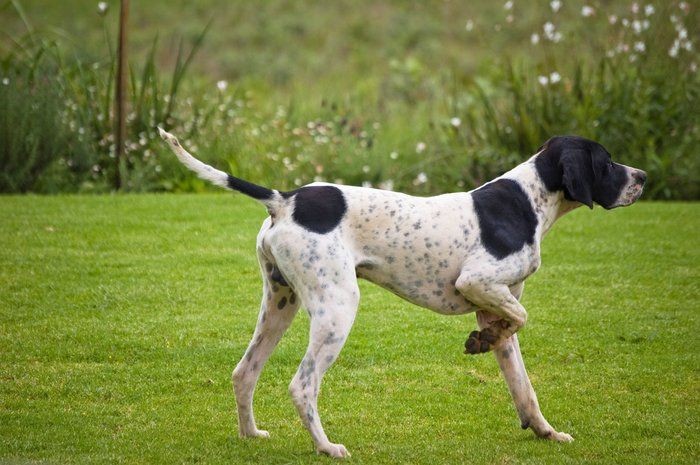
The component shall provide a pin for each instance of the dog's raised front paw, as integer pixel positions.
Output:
(337, 451)
(479, 342)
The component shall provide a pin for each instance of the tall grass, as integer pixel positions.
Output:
(57, 114)
(33, 132)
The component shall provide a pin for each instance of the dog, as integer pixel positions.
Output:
(454, 254)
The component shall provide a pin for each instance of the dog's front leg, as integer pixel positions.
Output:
(510, 360)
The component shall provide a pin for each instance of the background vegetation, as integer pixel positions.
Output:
(419, 96)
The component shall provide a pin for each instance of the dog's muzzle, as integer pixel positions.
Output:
(633, 189)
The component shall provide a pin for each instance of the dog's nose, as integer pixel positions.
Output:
(640, 176)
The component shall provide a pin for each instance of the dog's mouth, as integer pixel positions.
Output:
(631, 194)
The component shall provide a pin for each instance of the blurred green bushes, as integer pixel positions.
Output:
(624, 74)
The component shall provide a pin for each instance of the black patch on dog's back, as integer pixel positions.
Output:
(506, 217)
(318, 209)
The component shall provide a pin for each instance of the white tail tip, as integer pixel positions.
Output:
(166, 136)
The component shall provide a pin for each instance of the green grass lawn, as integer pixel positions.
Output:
(121, 318)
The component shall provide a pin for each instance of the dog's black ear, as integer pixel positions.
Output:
(577, 175)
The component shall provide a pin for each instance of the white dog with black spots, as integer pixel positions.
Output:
(454, 254)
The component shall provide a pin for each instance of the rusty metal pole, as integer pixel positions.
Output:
(120, 97)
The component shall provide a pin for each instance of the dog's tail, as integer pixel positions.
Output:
(269, 197)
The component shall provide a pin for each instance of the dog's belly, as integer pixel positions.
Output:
(435, 291)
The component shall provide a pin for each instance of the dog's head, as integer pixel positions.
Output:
(584, 171)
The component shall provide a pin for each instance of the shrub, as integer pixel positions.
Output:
(56, 117)
(640, 100)
(34, 135)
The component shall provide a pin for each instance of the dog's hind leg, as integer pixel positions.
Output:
(332, 307)
(277, 310)
(510, 360)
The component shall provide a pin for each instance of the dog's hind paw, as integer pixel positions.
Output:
(559, 437)
(337, 451)
(479, 342)
(258, 433)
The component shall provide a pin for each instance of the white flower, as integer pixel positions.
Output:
(640, 47)
(469, 26)
(387, 185)
(684, 6)
(554, 77)
(612, 19)
(6, 81)
(548, 29)
(543, 80)
(420, 147)
(102, 8)
(455, 122)
(366, 184)
(535, 39)
(508, 5)
(673, 51)
(422, 178)
(587, 11)
(222, 85)
(365, 169)
(693, 67)
(635, 8)
(550, 32)
(649, 10)
(637, 26)
(394, 155)
(555, 5)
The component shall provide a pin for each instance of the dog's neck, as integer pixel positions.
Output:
(549, 206)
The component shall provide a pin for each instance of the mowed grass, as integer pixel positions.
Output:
(121, 318)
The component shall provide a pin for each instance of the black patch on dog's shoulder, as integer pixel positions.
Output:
(318, 209)
(506, 217)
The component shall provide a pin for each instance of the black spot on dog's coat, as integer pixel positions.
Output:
(506, 217)
(318, 209)
(276, 276)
